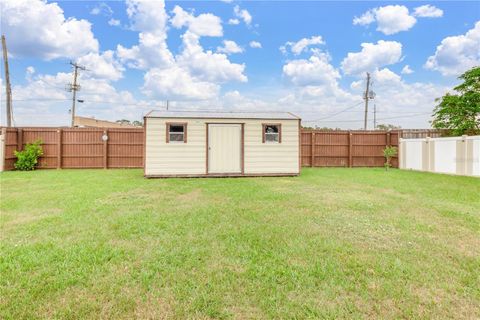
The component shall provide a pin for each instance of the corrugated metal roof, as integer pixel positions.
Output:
(222, 115)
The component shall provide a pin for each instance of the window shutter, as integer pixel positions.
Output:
(263, 132)
(168, 133)
(279, 133)
(185, 132)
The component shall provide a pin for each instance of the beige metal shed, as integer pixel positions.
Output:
(205, 144)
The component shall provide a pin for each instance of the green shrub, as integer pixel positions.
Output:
(27, 159)
(389, 153)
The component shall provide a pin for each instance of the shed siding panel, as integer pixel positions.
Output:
(178, 158)
(271, 157)
(174, 157)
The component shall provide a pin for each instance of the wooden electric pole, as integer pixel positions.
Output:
(74, 88)
(8, 88)
(366, 102)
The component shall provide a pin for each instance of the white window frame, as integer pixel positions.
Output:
(169, 133)
(265, 134)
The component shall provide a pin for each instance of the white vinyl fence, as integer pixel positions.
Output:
(454, 155)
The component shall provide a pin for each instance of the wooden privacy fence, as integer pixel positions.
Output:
(346, 148)
(85, 148)
(78, 147)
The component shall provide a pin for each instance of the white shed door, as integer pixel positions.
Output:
(224, 148)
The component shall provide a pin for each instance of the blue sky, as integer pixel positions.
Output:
(316, 79)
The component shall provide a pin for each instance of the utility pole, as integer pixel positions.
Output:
(366, 101)
(374, 116)
(8, 87)
(74, 87)
(167, 104)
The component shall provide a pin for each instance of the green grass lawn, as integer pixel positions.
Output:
(332, 243)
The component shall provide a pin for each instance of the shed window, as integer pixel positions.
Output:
(176, 132)
(272, 133)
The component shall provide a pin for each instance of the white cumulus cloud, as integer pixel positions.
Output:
(102, 66)
(176, 83)
(317, 70)
(233, 21)
(255, 44)
(205, 24)
(456, 54)
(242, 14)
(407, 70)
(386, 75)
(200, 71)
(39, 29)
(147, 16)
(103, 9)
(372, 56)
(30, 70)
(208, 65)
(365, 19)
(392, 19)
(114, 22)
(229, 47)
(150, 19)
(301, 45)
(428, 11)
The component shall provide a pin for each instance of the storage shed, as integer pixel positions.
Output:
(204, 144)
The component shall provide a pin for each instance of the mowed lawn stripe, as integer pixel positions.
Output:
(332, 243)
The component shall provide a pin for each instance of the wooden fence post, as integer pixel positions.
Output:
(59, 149)
(388, 139)
(19, 139)
(350, 138)
(3, 153)
(105, 148)
(312, 150)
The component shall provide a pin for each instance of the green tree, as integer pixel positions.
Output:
(123, 121)
(460, 112)
(387, 127)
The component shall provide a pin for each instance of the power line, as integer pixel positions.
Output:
(388, 118)
(397, 112)
(122, 103)
(406, 116)
(38, 99)
(91, 102)
(337, 113)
